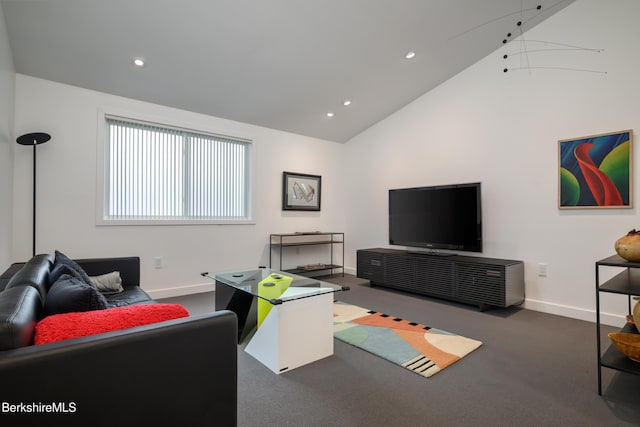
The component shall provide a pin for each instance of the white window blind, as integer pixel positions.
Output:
(156, 173)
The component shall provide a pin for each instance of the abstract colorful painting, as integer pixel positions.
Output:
(595, 171)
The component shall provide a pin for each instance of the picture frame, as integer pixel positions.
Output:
(595, 172)
(301, 192)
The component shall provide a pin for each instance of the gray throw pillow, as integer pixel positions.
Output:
(110, 283)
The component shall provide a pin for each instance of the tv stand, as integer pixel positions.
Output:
(484, 282)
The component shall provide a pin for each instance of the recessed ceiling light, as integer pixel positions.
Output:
(410, 55)
(346, 103)
(330, 114)
(139, 62)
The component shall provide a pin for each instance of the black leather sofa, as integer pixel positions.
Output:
(176, 372)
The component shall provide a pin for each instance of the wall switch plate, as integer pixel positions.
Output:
(542, 269)
(157, 262)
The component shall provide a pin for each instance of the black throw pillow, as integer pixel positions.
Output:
(69, 294)
(60, 269)
(62, 259)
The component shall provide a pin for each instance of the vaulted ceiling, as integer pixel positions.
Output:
(282, 64)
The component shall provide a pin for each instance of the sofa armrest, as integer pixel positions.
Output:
(9, 273)
(178, 372)
(35, 273)
(129, 268)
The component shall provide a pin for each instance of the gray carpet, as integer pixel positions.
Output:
(533, 369)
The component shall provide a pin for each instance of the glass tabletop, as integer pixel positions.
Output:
(275, 286)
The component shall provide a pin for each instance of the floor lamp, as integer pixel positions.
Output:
(34, 139)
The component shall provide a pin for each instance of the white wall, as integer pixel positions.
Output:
(67, 190)
(7, 142)
(503, 129)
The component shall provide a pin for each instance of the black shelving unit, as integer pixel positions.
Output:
(626, 282)
(278, 243)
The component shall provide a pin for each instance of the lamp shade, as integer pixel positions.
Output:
(34, 138)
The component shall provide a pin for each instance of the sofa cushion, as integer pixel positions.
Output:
(20, 308)
(73, 325)
(69, 293)
(131, 295)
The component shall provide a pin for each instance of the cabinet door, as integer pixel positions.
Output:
(435, 276)
(370, 266)
(481, 283)
(399, 272)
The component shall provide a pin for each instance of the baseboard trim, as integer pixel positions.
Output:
(351, 271)
(179, 291)
(530, 304)
(574, 312)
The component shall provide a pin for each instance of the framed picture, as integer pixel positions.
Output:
(595, 171)
(301, 192)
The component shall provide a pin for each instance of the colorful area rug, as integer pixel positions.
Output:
(419, 348)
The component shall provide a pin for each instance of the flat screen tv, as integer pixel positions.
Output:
(437, 217)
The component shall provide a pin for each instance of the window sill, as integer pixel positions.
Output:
(156, 222)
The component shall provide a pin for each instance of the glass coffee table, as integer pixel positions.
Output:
(290, 316)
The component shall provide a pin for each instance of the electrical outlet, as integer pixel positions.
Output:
(157, 262)
(542, 269)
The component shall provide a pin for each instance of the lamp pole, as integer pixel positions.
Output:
(34, 139)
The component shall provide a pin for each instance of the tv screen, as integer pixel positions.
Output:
(437, 217)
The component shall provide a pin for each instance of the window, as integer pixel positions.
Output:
(157, 174)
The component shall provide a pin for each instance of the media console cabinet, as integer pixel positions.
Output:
(484, 282)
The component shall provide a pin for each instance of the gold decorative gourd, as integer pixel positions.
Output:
(628, 247)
